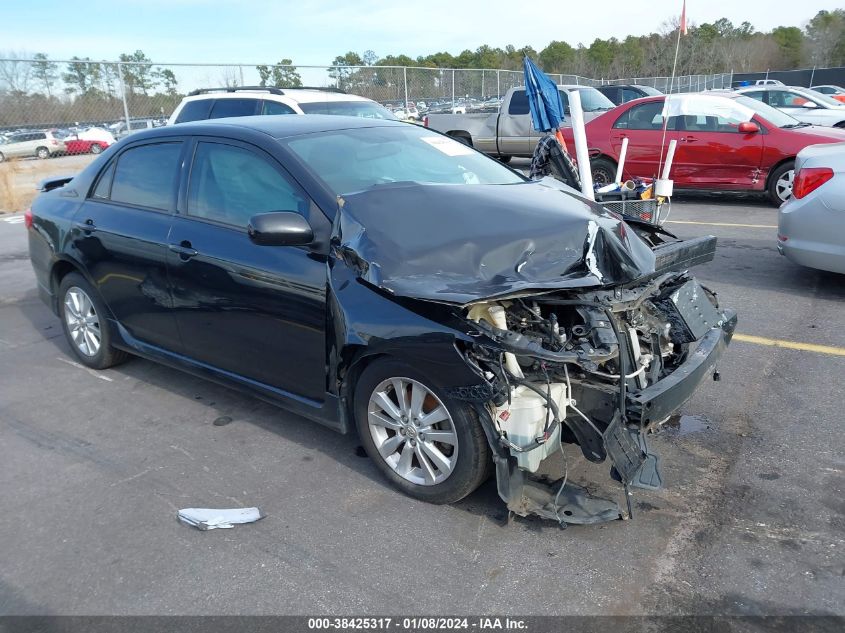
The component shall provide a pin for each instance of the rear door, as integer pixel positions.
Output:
(642, 125)
(256, 311)
(514, 131)
(120, 234)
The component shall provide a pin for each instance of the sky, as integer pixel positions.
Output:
(315, 31)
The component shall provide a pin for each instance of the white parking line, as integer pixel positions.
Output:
(14, 219)
(90, 371)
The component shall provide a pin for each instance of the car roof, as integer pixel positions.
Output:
(299, 95)
(274, 126)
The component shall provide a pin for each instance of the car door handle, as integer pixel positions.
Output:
(184, 250)
(88, 226)
(688, 139)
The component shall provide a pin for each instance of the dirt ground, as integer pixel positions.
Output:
(19, 178)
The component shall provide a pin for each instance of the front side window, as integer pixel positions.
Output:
(699, 123)
(233, 107)
(146, 175)
(230, 184)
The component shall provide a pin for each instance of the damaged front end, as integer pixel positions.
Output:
(578, 326)
(598, 369)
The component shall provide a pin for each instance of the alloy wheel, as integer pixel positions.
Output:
(783, 187)
(82, 321)
(413, 431)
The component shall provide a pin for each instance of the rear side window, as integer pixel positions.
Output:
(231, 184)
(629, 95)
(274, 107)
(760, 95)
(195, 111)
(146, 176)
(519, 103)
(233, 107)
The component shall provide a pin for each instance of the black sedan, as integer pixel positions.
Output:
(620, 94)
(379, 275)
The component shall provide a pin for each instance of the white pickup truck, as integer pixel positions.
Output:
(509, 131)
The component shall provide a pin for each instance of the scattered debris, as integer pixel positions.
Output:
(223, 420)
(209, 518)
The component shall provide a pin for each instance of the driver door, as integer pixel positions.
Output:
(255, 311)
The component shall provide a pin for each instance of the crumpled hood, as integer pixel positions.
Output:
(464, 243)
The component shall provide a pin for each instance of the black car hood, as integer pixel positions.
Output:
(464, 243)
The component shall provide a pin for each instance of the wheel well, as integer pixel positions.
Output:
(460, 134)
(603, 157)
(775, 167)
(59, 272)
(348, 374)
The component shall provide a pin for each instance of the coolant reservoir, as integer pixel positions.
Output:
(524, 419)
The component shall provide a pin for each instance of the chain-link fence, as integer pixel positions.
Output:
(42, 94)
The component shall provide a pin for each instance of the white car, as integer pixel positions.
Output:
(808, 106)
(216, 103)
(41, 144)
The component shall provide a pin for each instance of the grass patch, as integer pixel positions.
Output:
(12, 196)
(20, 178)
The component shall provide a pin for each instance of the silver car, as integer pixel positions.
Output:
(808, 106)
(25, 144)
(811, 224)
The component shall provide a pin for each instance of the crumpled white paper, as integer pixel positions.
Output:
(210, 518)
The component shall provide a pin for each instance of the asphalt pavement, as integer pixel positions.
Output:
(95, 465)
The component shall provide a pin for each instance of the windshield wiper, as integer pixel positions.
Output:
(791, 126)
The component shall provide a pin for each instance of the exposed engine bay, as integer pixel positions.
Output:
(568, 368)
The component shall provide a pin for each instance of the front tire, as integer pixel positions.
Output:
(85, 325)
(604, 171)
(504, 159)
(96, 148)
(779, 189)
(427, 445)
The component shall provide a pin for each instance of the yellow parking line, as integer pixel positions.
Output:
(804, 347)
(746, 226)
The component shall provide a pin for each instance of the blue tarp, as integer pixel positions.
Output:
(543, 98)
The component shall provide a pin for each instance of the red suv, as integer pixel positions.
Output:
(713, 152)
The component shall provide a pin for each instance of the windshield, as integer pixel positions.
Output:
(357, 159)
(592, 100)
(772, 115)
(363, 109)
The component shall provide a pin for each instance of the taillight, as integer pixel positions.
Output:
(27, 218)
(425, 121)
(54, 142)
(809, 179)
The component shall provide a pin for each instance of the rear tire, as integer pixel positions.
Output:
(505, 159)
(779, 188)
(466, 140)
(400, 440)
(85, 325)
(42, 153)
(604, 171)
(2, 158)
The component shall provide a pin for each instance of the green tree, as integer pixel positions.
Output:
(283, 75)
(81, 75)
(826, 34)
(340, 71)
(557, 57)
(138, 73)
(790, 43)
(44, 72)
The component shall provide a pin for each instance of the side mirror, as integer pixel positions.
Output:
(280, 228)
(809, 104)
(748, 127)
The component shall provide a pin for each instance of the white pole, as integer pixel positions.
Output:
(670, 156)
(622, 153)
(581, 153)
